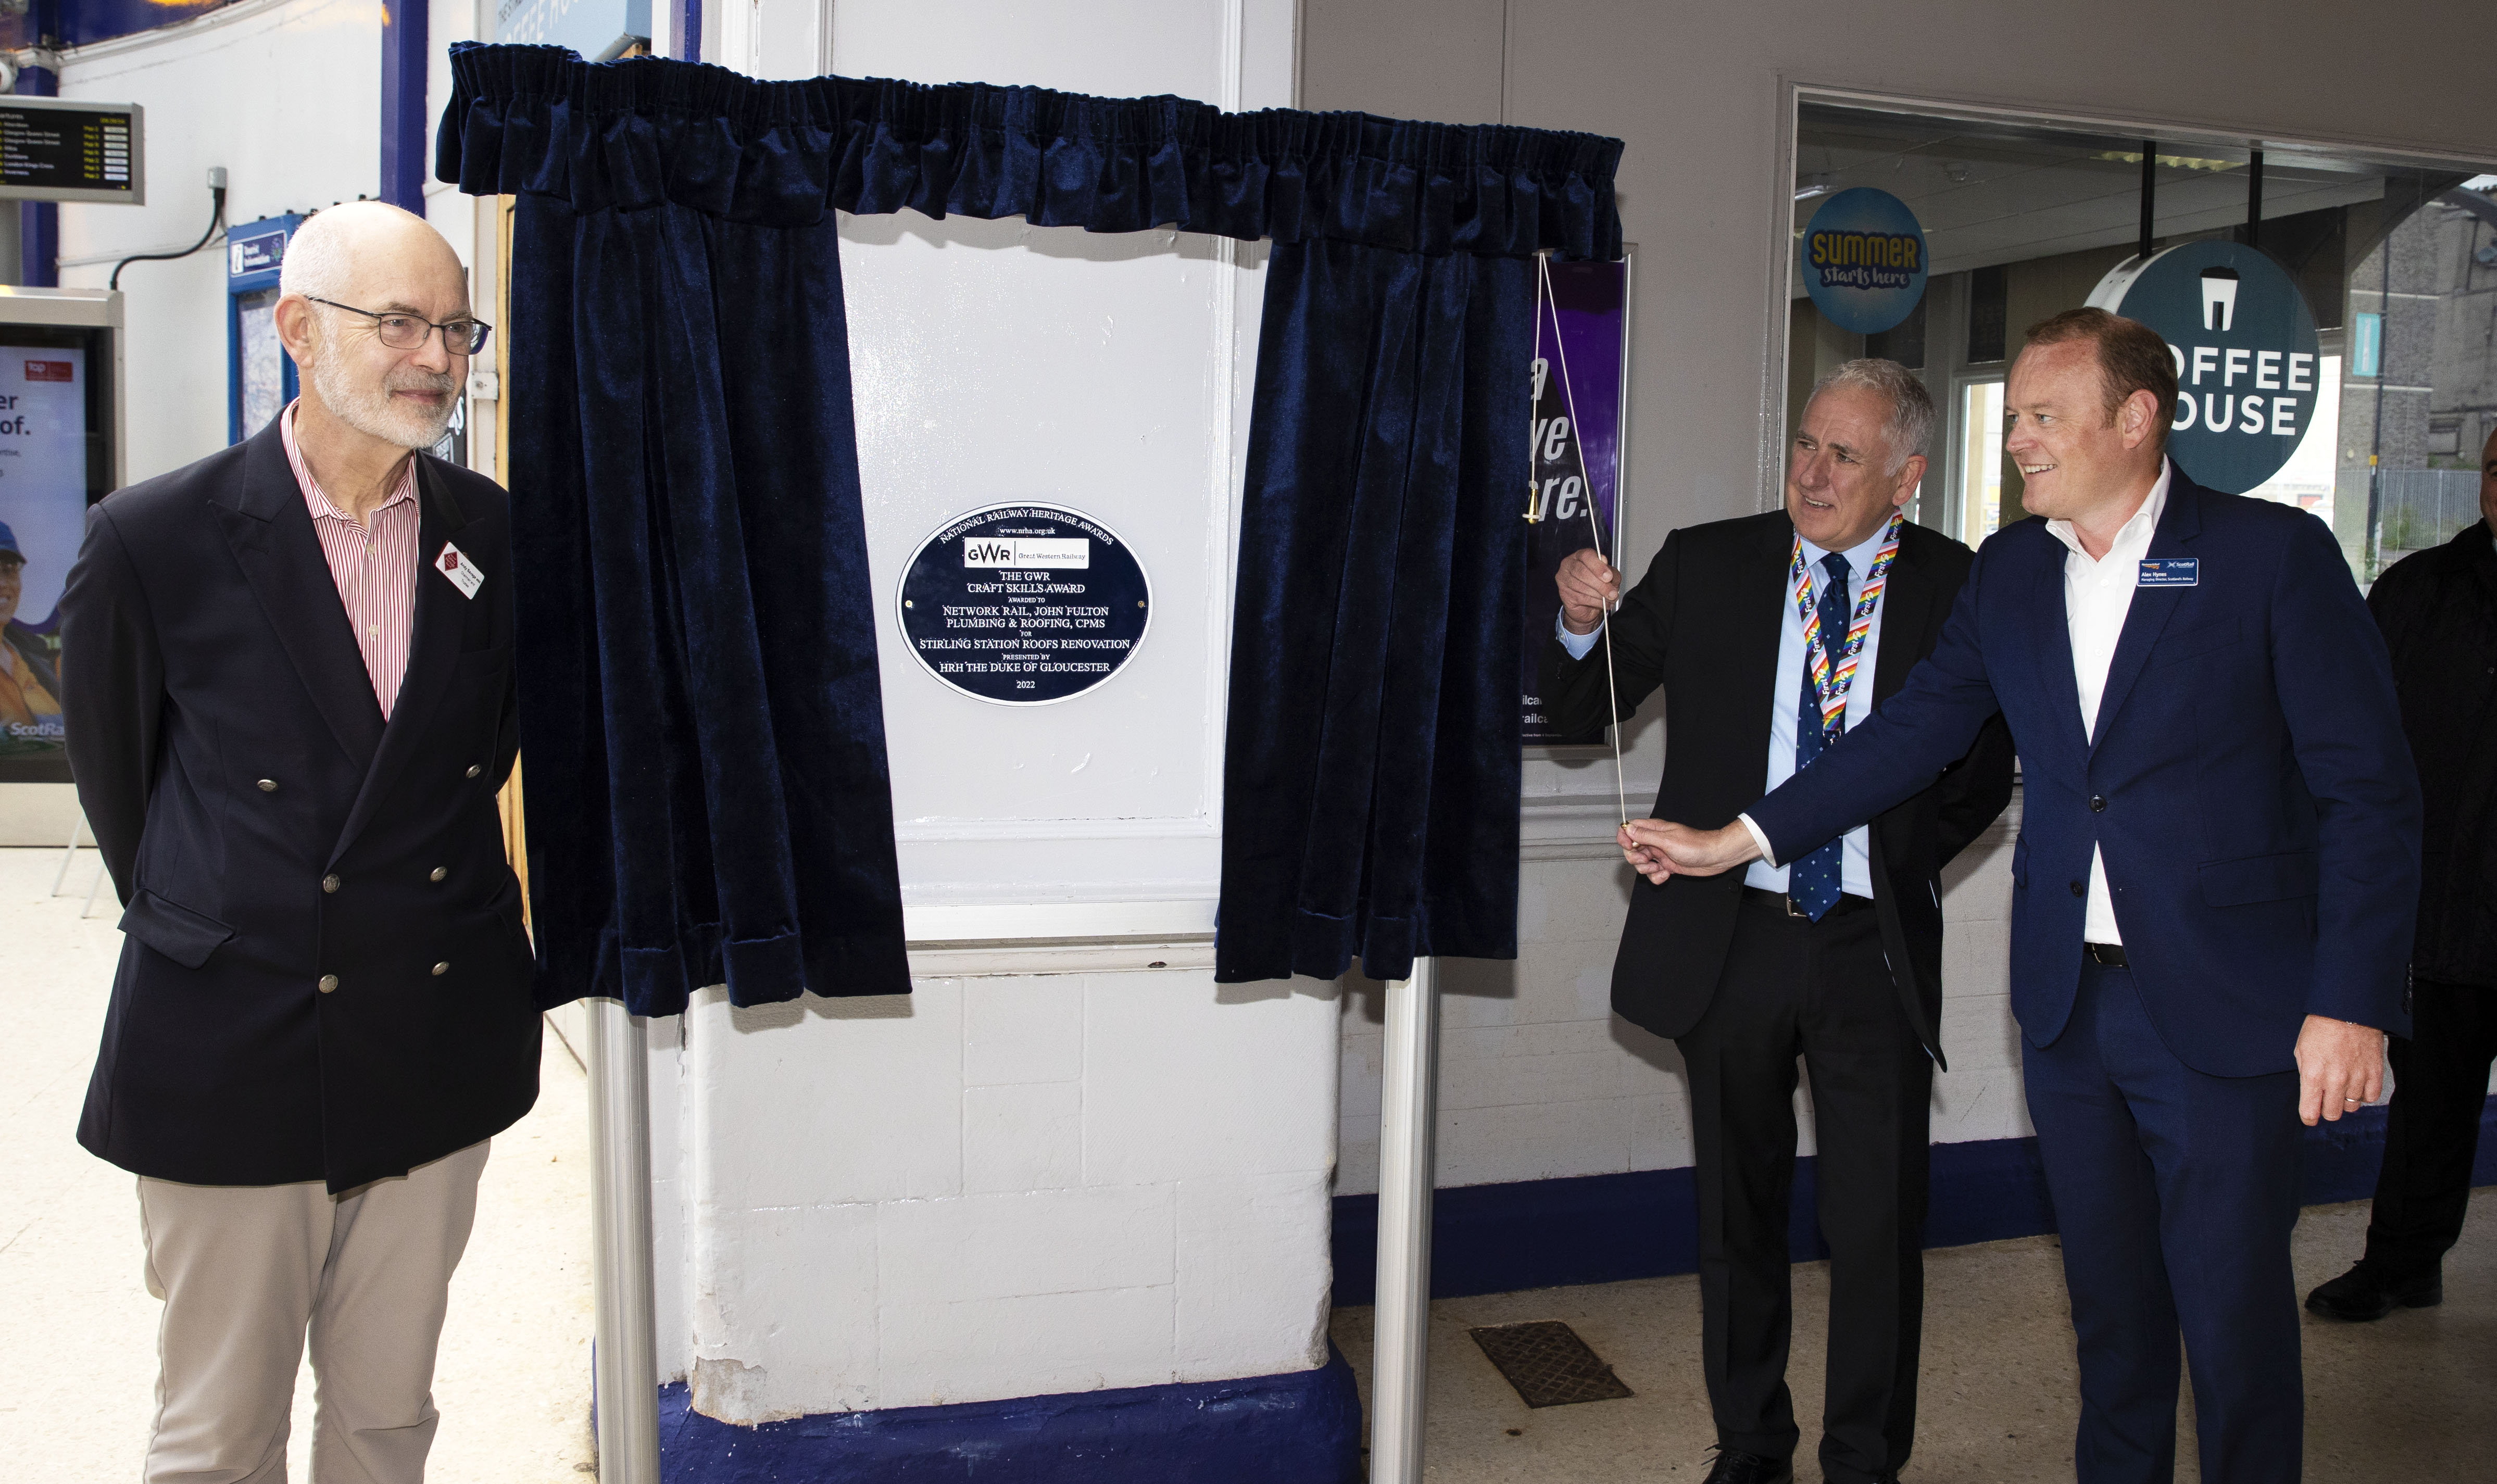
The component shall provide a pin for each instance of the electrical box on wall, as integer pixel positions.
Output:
(60, 451)
(260, 376)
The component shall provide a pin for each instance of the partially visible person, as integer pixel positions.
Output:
(2437, 609)
(290, 704)
(29, 689)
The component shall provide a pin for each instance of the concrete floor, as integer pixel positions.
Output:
(77, 1331)
(2411, 1397)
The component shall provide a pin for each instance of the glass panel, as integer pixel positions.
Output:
(2307, 480)
(1980, 461)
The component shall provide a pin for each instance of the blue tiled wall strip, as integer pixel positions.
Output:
(1605, 1228)
(1306, 1428)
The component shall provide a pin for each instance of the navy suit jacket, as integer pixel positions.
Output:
(265, 828)
(2249, 785)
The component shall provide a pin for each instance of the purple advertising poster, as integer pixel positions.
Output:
(1573, 498)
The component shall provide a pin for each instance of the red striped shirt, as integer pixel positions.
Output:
(375, 566)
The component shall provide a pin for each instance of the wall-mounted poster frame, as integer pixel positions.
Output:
(60, 451)
(1582, 396)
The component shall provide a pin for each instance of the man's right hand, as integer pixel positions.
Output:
(1657, 848)
(1589, 586)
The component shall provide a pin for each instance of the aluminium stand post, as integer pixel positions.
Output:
(625, 1371)
(1408, 1112)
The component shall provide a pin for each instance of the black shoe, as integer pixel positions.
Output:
(2368, 1292)
(1737, 1467)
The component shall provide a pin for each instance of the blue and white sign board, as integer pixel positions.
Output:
(260, 378)
(1863, 260)
(598, 29)
(2246, 358)
(1024, 603)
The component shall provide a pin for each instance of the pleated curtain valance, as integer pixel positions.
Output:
(538, 120)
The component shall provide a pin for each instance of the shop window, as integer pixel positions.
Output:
(2018, 220)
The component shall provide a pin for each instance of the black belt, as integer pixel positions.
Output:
(1848, 902)
(2110, 954)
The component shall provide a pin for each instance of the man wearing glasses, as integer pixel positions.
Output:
(291, 709)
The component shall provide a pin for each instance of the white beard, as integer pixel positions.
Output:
(374, 412)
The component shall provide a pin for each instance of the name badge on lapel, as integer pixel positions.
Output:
(2170, 572)
(455, 564)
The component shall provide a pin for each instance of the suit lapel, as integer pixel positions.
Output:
(270, 534)
(1906, 611)
(440, 616)
(1759, 605)
(2152, 607)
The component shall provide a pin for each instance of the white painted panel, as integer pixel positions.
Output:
(1116, 49)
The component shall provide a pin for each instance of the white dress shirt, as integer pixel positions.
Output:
(1785, 705)
(2098, 595)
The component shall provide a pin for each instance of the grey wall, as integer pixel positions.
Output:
(1700, 93)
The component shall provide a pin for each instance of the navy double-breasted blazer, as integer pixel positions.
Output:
(269, 835)
(2248, 782)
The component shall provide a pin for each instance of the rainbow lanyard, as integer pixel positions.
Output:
(1831, 688)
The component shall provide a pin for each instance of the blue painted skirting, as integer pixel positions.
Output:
(1304, 1428)
(1605, 1228)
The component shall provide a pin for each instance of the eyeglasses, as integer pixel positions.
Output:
(410, 332)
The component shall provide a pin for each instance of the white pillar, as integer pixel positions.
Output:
(1407, 1114)
(626, 1370)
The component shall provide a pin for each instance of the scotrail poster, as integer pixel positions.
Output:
(43, 514)
(1580, 374)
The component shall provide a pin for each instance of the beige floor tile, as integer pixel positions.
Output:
(77, 1331)
(2409, 1397)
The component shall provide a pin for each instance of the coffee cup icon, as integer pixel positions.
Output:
(2219, 297)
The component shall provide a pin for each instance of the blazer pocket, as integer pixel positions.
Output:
(2260, 879)
(185, 936)
(2196, 641)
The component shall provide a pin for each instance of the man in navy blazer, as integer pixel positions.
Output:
(2213, 888)
(289, 708)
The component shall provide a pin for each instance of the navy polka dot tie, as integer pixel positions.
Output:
(1814, 883)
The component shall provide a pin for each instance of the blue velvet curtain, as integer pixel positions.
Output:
(708, 794)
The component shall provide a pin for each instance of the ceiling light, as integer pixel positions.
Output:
(1813, 186)
(2480, 183)
(1956, 170)
(2171, 160)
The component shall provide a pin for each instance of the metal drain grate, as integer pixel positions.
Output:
(1548, 1364)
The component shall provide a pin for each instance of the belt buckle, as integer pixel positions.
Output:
(1787, 901)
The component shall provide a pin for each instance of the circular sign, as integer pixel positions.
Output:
(1864, 260)
(1023, 604)
(2247, 362)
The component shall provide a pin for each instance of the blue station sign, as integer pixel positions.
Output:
(2247, 356)
(1863, 260)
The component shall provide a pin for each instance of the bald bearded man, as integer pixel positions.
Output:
(291, 709)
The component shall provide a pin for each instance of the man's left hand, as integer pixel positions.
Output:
(2340, 1067)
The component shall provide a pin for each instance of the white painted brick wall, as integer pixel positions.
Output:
(997, 1187)
(1538, 1080)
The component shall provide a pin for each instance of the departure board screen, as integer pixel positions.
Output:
(70, 151)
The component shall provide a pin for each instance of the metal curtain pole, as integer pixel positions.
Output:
(1408, 1111)
(625, 1370)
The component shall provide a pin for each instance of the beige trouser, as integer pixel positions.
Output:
(243, 1269)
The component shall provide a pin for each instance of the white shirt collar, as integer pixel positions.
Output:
(1859, 557)
(2136, 531)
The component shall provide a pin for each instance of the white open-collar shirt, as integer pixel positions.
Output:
(2097, 596)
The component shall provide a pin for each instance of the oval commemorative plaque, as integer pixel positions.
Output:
(1023, 604)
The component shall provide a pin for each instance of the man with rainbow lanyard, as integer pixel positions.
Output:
(1771, 636)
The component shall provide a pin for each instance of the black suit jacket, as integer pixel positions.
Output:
(265, 828)
(1704, 623)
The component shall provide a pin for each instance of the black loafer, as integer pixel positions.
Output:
(2368, 1292)
(1733, 1466)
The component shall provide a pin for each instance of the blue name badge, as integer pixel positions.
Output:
(2170, 572)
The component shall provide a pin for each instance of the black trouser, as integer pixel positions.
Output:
(2432, 1129)
(1822, 991)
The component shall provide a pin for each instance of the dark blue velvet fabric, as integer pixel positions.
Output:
(706, 782)
(1371, 771)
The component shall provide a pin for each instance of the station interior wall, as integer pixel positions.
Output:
(1070, 1161)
